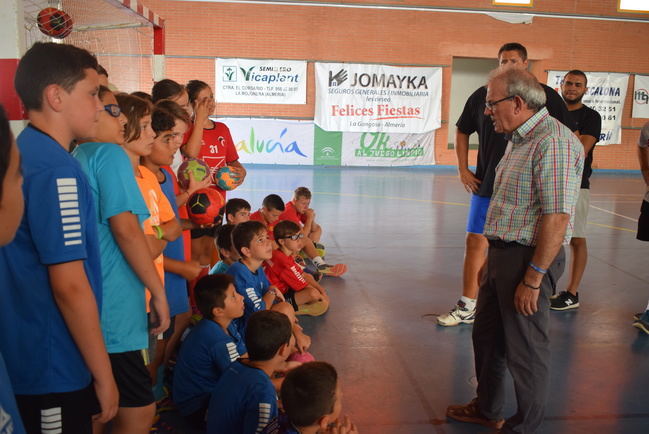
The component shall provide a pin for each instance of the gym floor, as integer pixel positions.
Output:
(401, 231)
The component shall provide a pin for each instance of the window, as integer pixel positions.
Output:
(633, 6)
(527, 3)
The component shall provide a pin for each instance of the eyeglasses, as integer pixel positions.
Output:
(491, 104)
(113, 110)
(295, 237)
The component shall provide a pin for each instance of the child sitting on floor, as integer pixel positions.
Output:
(227, 252)
(237, 211)
(244, 400)
(312, 400)
(214, 343)
(299, 288)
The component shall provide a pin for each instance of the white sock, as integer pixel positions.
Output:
(469, 303)
(647, 306)
(318, 260)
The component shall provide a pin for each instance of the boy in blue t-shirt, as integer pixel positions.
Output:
(251, 241)
(312, 400)
(210, 347)
(244, 399)
(50, 275)
(11, 212)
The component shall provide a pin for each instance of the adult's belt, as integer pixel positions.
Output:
(501, 244)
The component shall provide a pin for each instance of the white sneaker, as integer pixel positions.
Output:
(458, 315)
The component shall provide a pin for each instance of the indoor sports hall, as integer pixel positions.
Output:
(358, 100)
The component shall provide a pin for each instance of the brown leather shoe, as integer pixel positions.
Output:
(470, 413)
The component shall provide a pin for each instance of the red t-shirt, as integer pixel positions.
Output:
(290, 213)
(258, 216)
(283, 272)
(217, 148)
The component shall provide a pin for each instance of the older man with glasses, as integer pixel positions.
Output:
(535, 190)
(480, 183)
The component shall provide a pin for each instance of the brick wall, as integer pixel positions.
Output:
(405, 37)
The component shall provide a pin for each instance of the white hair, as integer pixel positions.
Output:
(522, 84)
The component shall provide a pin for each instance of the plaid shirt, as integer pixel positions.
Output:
(539, 174)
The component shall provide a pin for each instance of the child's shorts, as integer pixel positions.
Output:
(68, 411)
(132, 378)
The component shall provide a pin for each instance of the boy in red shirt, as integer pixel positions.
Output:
(298, 211)
(298, 288)
(269, 213)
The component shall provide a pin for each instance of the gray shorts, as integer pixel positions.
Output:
(581, 214)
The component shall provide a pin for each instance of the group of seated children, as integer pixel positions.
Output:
(98, 273)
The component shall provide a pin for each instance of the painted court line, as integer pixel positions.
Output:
(613, 213)
(439, 202)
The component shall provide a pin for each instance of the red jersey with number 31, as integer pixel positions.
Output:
(217, 148)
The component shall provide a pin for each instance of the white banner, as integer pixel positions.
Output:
(606, 93)
(260, 81)
(388, 149)
(377, 98)
(641, 97)
(272, 141)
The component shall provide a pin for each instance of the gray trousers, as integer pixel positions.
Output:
(504, 339)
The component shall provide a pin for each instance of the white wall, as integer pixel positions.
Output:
(467, 76)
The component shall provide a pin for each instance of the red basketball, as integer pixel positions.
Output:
(54, 22)
(205, 207)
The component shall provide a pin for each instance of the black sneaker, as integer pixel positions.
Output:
(565, 301)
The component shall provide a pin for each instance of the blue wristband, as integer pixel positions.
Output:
(537, 269)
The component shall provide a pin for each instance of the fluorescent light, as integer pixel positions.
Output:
(634, 5)
(513, 2)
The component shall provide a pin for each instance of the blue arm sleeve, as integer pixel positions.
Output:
(56, 209)
(260, 409)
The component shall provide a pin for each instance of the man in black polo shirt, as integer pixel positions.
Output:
(589, 127)
(480, 184)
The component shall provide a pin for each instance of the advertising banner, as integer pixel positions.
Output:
(606, 93)
(641, 97)
(295, 142)
(272, 141)
(373, 149)
(260, 81)
(377, 98)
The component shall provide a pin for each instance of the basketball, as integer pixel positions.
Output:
(195, 166)
(225, 178)
(54, 22)
(205, 207)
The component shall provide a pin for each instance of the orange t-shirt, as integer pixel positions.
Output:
(160, 210)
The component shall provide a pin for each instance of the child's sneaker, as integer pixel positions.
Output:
(458, 315)
(332, 270)
(564, 301)
(313, 309)
(642, 322)
(320, 248)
